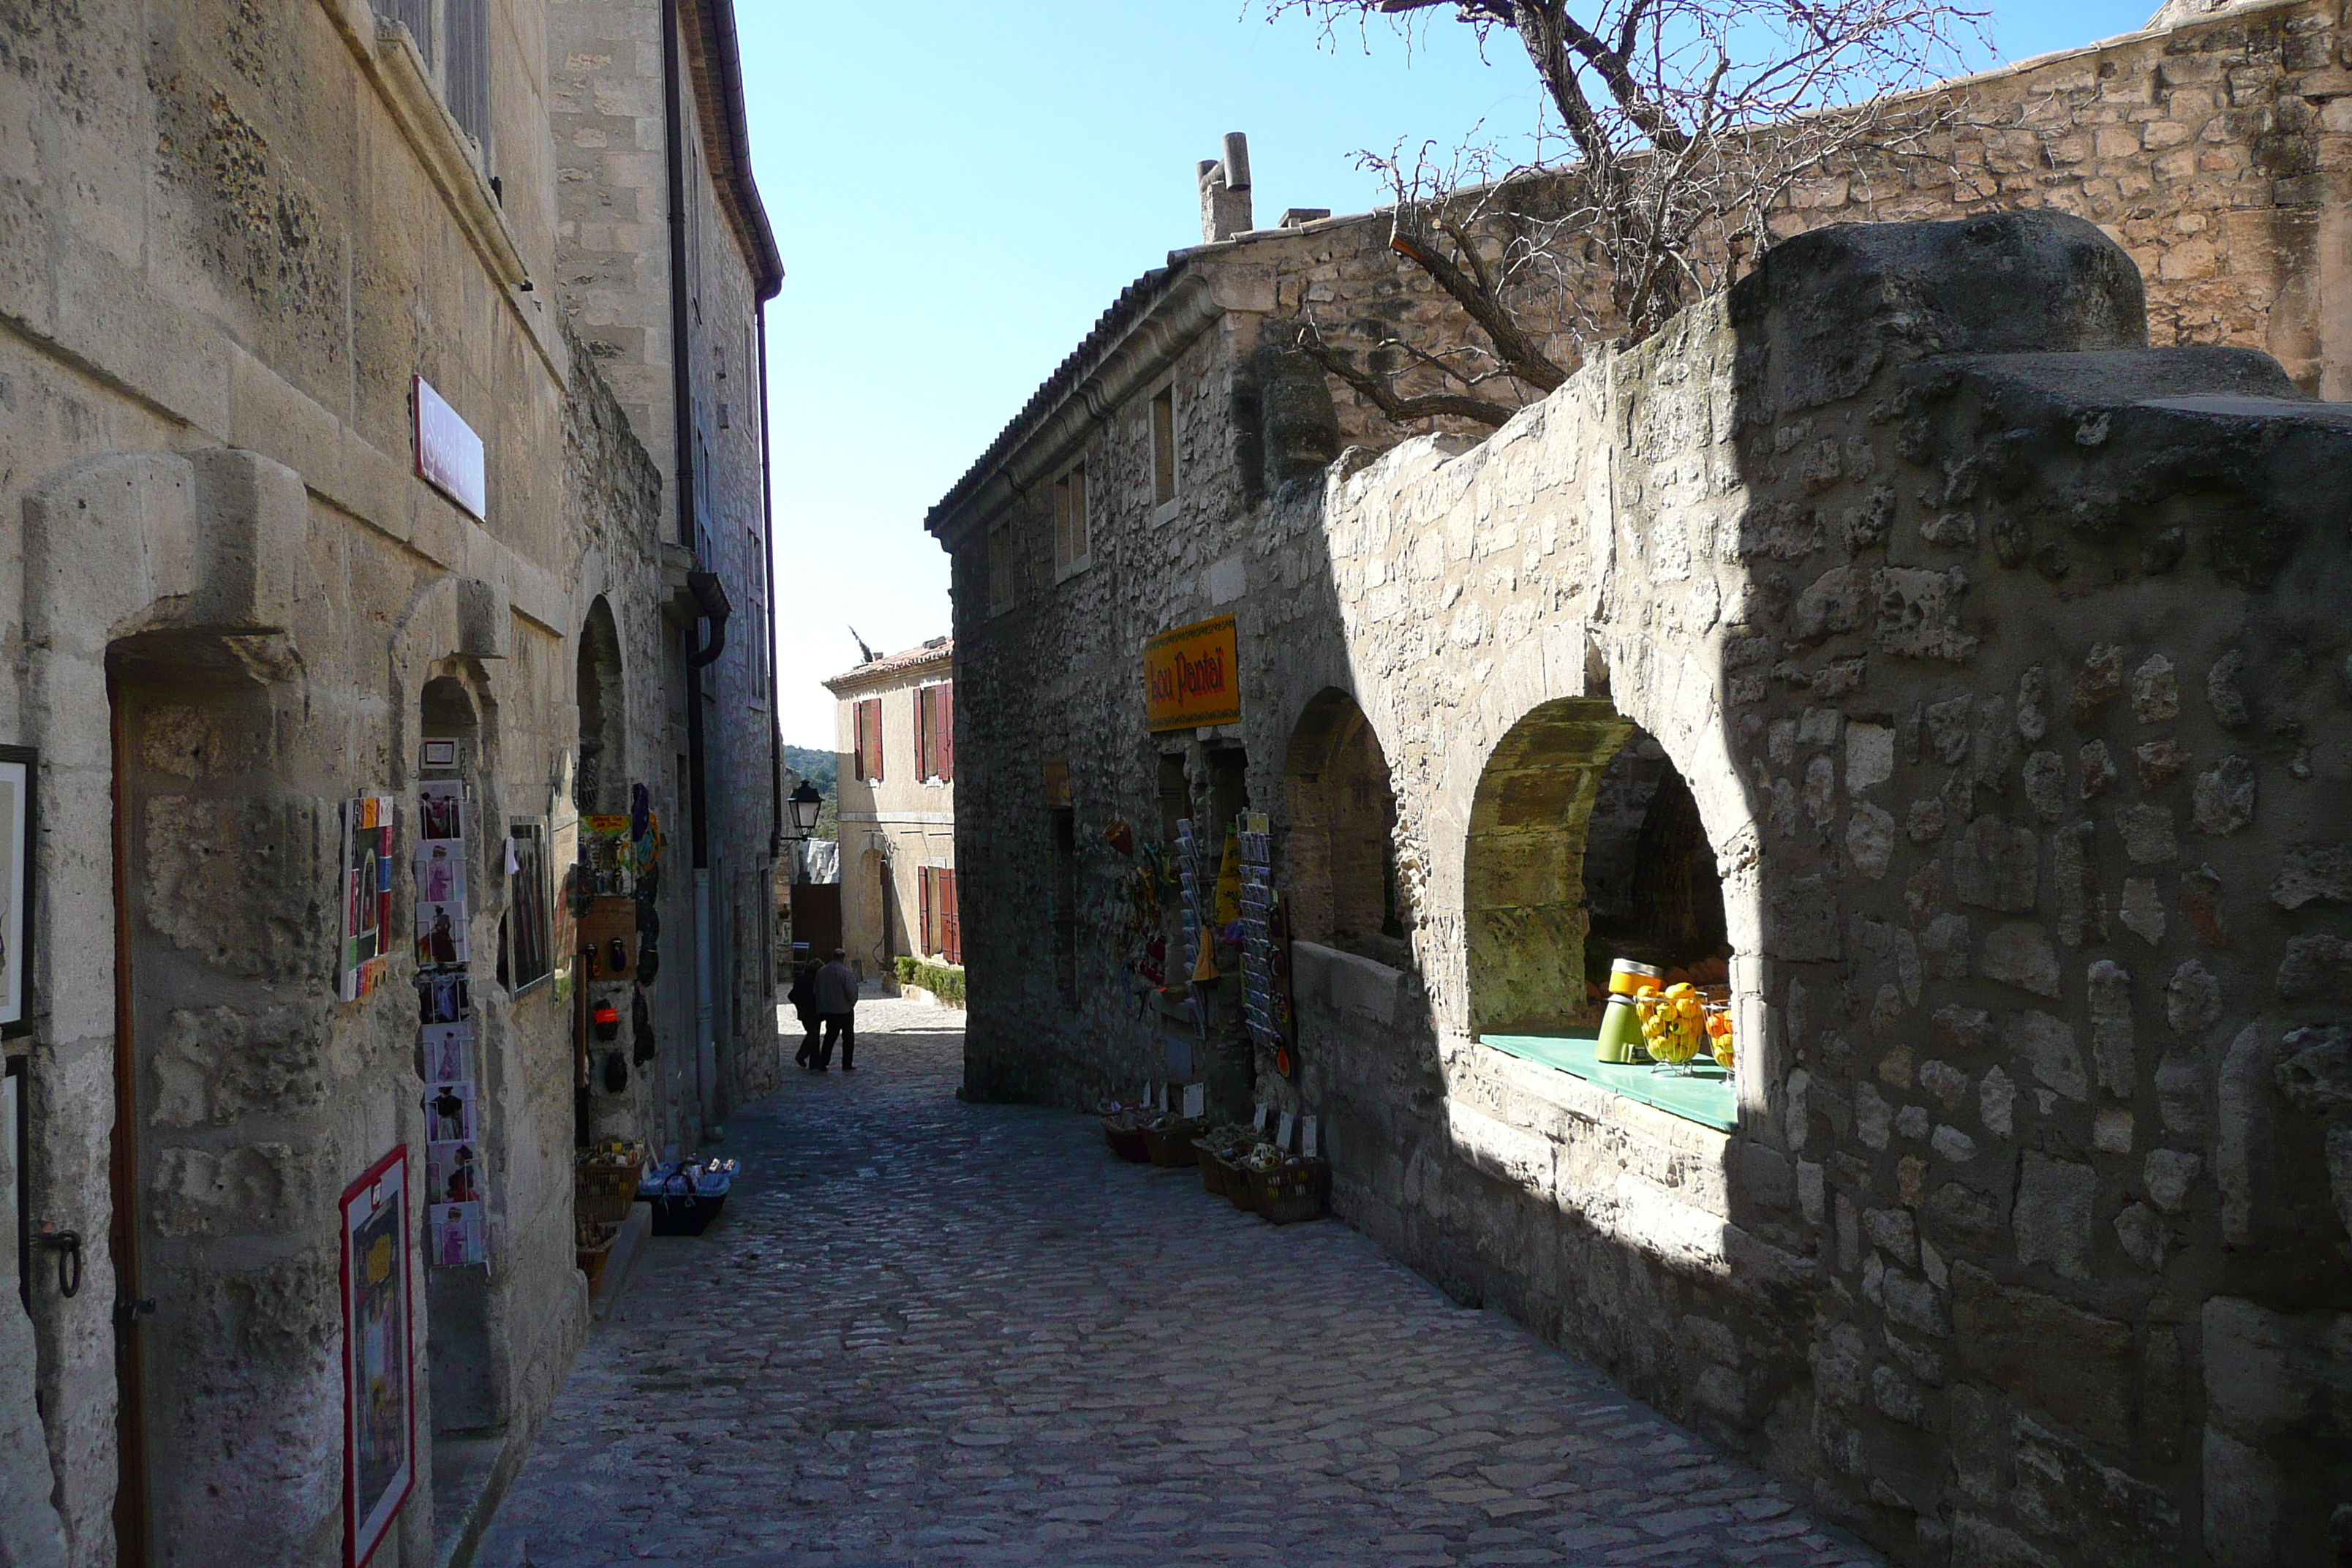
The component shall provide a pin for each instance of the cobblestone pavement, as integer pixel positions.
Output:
(939, 1333)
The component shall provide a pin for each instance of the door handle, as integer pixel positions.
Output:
(129, 1310)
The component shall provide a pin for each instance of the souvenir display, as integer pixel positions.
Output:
(365, 956)
(1265, 948)
(19, 770)
(457, 1178)
(379, 1442)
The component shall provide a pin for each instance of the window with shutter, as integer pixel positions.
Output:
(1163, 446)
(466, 78)
(867, 725)
(1071, 545)
(951, 920)
(931, 938)
(947, 731)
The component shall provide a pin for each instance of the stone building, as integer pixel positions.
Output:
(897, 778)
(261, 274)
(1901, 632)
(666, 255)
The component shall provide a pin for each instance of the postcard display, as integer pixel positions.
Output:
(1193, 876)
(1266, 995)
(456, 1228)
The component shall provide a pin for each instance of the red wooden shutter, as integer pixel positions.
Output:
(951, 920)
(870, 727)
(927, 737)
(923, 882)
(857, 741)
(946, 730)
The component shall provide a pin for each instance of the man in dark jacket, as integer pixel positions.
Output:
(803, 996)
(836, 1005)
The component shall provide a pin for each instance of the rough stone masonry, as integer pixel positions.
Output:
(2006, 661)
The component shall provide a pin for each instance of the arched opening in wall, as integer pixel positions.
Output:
(601, 781)
(1585, 846)
(460, 1327)
(1341, 828)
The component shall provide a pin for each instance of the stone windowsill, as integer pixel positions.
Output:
(1709, 1098)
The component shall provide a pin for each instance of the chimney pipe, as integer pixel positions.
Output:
(1225, 190)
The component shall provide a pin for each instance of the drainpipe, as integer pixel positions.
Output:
(682, 345)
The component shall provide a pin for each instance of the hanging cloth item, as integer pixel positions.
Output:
(1204, 968)
(616, 1073)
(641, 1024)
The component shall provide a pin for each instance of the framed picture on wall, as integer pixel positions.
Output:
(19, 777)
(379, 1400)
(530, 937)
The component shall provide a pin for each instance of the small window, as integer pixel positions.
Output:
(1163, 446)
(1071, 544)
(935, 731)
(867, 760)
(528, 957)
(1001, 582)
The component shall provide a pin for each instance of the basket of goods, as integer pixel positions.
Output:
(687, 1195)
(1287, 1189)
(593, 1248)
(1233, 1160)
(605, 1179)
(1169, 1142)
(1123, 1127)
(1672, 1022)
(1210, 1146)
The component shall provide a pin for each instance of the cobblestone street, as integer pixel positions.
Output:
(933, 1332)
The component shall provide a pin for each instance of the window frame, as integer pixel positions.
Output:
(1167, 462)
(1002, 565)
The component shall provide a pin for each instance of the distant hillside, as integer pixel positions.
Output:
(821, 769)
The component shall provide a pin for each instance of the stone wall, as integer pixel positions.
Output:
(2003, 681)
(225, 248)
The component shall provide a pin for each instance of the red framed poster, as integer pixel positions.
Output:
(379, 1397)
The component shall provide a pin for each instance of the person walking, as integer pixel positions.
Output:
(803, 996)
(836, 1006)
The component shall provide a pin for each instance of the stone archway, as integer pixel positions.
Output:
(1341, 812)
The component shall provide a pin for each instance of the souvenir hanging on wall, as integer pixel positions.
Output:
(455, 1168)
(379, 1429)
(365, 954)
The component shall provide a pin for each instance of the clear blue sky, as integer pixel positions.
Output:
(960, 189)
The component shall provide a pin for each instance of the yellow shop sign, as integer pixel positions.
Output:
(1191, 677)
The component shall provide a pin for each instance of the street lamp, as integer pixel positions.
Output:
(807, 804)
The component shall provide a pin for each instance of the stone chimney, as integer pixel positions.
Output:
(1225, 190)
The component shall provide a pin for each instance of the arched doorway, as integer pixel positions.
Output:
(1585, 845)
(1341, 833)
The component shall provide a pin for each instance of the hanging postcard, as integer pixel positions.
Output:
(448, 1051)
(366, 952)
(379, 1443)
(441, 809)
(440, 935)
(442, 999)
(441, 872)
(453, 1174)
(19, 770)
(449, 1113)
(456, 1235)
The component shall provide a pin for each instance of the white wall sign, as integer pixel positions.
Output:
(448, 453)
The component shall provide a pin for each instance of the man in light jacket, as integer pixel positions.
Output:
(837, 1008)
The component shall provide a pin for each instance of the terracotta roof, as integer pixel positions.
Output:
(938, 650)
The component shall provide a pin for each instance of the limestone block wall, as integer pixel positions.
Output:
(2003, 656)
(226, 248)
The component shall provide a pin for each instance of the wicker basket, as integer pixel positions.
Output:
(1212, 1170)
(1126, 1142)
(1171, 1146)
(592, 1260)
(1239, 1187)
(1292, 1194)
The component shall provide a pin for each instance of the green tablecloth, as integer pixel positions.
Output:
(1706, 1098)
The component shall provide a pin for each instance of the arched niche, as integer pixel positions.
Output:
(601, 780)
(1585, 844)
(1341, 807)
